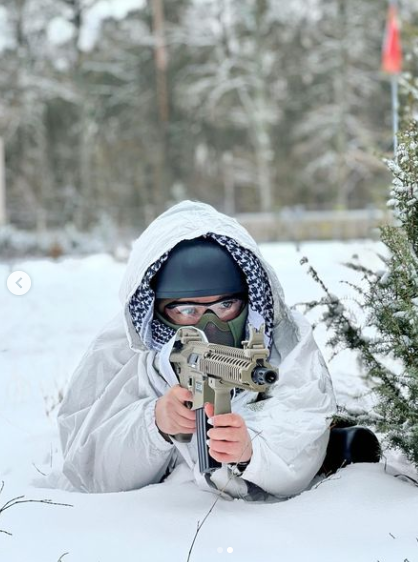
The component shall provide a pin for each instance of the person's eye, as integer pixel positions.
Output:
(188, 310)
(227, 304)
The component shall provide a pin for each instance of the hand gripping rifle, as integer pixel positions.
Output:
(210, 371)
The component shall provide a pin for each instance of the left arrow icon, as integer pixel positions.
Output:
(19, 283)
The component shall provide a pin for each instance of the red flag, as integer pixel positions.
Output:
(392, 50)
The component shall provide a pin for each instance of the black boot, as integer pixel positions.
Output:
(349, 445)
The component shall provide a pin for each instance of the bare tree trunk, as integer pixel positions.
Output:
(256, 107)
(261, 137)
(46, 187)
(229, 185)
(341, 88)
(263, 152)
(2, 185)
(160, 57)
(84, 210)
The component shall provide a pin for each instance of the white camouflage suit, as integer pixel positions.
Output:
(107, 424)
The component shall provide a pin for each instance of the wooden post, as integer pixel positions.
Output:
(2, 185)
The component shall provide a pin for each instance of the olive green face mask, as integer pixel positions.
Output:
(217, 331)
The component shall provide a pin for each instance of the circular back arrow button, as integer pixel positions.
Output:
(19, 283)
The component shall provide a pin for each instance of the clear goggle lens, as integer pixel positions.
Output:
(189, 313)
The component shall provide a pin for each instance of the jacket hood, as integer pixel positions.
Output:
(185, 221)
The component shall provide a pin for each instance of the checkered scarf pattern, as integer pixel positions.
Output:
(155, 334)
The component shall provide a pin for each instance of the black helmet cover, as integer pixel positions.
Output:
(198, 268)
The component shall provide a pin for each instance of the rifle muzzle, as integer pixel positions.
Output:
(263, 375)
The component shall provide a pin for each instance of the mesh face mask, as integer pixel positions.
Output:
(229, 333)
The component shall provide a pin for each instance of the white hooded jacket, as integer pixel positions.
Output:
(107, 424)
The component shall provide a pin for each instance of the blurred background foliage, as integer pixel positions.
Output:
(247, 105)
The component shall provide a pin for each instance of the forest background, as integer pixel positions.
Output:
(118, 109)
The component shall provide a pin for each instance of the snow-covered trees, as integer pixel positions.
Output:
(338, 133)
(234, 83)
(268, 105)
(386, 339)
(30, 87)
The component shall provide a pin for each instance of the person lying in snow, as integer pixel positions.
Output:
(124, 406)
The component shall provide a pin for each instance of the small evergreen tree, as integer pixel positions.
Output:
(386, 338)
(387, 342)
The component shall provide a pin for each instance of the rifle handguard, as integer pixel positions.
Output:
(211, 370)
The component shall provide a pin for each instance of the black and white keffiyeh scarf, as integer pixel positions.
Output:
(260, 299)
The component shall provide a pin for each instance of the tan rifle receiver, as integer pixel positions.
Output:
(211, 370)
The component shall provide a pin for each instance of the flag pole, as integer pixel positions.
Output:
(2, 184)
(392, 64)
(395, 112)
(395, 98)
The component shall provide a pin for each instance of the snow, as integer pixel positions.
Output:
(60, 30)
(104, 9)
(362, 513)
(5, 38)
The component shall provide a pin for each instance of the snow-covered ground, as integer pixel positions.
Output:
(363, 513)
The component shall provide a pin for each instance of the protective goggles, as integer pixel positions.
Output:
(189, 313)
